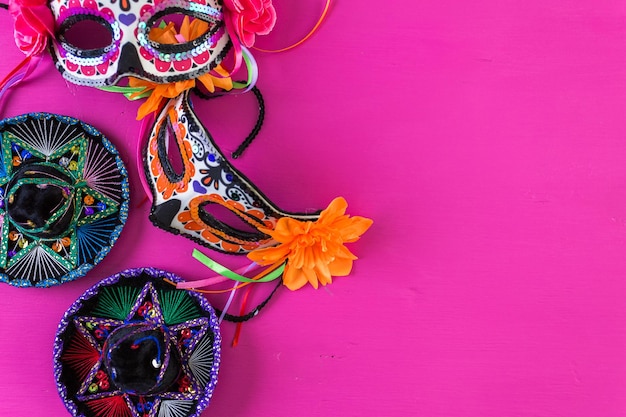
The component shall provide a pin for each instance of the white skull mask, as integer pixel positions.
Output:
(100, 42)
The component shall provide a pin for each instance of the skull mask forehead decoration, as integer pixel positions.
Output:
(98, 43)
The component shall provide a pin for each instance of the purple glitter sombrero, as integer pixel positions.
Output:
(134, 346)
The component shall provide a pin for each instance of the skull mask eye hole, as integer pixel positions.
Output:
(86, 36)
(225, 219)
(169, 152)
(174, 30)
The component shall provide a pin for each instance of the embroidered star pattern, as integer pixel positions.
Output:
(185, 334)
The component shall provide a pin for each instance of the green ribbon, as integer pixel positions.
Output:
(127, 91)
(239, 85)
(225, 272)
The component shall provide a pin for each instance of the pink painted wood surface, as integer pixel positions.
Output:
(487, 141)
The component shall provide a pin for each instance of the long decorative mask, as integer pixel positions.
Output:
(183, 199)
(122, 40)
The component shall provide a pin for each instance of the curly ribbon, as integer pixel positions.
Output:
(231, 297)
(225, 272)
(21, 71)
(136, 93)
(253, 71)
(232, 294)
(232, 33)
(270, 274)
(305, 38)
(131, 93)
(242, 310)
(145, 125)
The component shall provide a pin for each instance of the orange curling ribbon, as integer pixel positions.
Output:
(305, 38)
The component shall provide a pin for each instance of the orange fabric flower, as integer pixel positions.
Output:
(161, 92)
(189, 31)
(314, 251)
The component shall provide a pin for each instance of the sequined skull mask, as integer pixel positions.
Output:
(123, 45)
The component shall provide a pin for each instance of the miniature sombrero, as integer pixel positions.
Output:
(63, 199)
(133, 345)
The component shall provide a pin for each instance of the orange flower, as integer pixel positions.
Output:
(189, 31)
(314, 251)
(161, 92)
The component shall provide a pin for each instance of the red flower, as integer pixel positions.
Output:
(249, 18)
(33, 24)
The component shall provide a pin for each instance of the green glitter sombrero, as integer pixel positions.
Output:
(63, 199)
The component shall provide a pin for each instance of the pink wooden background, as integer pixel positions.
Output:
(486, 138)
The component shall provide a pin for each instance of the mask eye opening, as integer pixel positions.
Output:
(214, 23)
(86, 36)
(222, 218)
(169, 152)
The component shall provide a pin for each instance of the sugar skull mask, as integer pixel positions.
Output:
(99, 43)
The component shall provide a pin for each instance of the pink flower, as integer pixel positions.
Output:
(249, 18)
(33, 24)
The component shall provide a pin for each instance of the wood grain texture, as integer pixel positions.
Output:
(487, 141)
